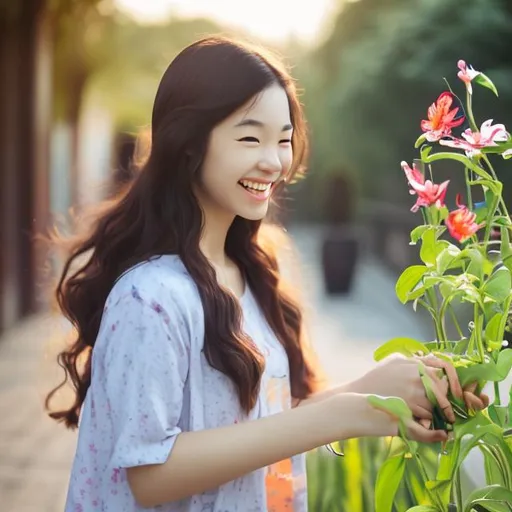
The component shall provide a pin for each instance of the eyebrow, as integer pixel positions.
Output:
(259, 124)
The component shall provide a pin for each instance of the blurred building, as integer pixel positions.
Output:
(25, 110)
(38, 181)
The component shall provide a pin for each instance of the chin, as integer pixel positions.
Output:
(254, 213)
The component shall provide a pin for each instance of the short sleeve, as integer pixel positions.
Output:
(145, 368)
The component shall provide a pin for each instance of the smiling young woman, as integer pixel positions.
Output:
(195, 355)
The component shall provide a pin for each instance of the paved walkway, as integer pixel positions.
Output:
(35, 453)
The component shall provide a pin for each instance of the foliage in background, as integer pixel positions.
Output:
(104, 53)
(347, 484)
(367, 85)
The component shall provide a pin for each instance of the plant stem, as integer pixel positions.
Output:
(433, 495)
(490, 215)
(432, 298)
(458, 490)
(455, 321)
(497, 398)
(471, 118)
(478, 333)
(468, 188)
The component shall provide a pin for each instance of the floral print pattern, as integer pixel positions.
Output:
(151, 381)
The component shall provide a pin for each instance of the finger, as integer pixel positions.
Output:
(421, 412)
(419, 433)
(425, 423)
(485, 399)
(473, 402)
(471, 388)
(450, 371)
(442, 400)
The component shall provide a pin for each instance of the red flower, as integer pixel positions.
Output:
(461, 222)
(441, 119)
(428, 192)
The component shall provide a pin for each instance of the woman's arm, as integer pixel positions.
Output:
(206, 459)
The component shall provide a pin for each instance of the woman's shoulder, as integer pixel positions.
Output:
(161, 279)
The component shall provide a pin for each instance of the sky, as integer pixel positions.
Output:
(272, 20)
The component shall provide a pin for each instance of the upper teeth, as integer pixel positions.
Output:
(257, 186)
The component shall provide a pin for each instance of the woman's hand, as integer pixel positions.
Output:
(399, 376)
(369, 421)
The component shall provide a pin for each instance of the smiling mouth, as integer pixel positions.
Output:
(254, 186)
(260, 191)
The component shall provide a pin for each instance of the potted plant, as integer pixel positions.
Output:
(340, 246)
(461, 259)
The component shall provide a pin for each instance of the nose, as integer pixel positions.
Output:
(270, 163)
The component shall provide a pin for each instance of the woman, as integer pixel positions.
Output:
(197, 393)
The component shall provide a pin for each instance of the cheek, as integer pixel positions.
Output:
(218, 174)
(286, 160)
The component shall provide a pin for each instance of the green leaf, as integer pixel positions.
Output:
(476, 265)
(431, 247)
(488, 371)
(504, 364)
(447, 461)
(392, 405)
(423, 508)
(502, 221)
(481, 214)
(505, 248)
(485, 81)
(425, 151)
(492, 465)
(494, 331)
(420, 140)
(388, 480)
(499, 285)
(408, 280)
(417, 233)
(406, 346)
(441, 488)
(498, 414)
(446, 258)
(488, 497)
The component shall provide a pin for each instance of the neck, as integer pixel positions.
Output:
(213, 238)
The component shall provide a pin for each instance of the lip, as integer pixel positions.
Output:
(258, 180)
(261, 195)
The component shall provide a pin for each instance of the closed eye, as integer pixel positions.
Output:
(248, 139)
(285, 141)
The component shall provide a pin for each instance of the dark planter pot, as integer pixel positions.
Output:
(340, 249)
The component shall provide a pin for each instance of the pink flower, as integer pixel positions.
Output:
(466, 74)
(441, 119)
(428, 192)
(461, 222)
(488, 135)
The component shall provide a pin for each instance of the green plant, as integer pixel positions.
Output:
(467, 259)
(346, 484)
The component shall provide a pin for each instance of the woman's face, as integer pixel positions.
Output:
(247, 153)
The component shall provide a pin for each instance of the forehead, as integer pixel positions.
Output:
(270, 106)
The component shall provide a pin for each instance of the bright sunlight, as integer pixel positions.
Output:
(266, 19)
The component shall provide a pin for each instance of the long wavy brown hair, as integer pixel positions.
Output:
(158, 214)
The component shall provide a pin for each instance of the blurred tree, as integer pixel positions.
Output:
(103, 53)
(371, 82)
(137, 56)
